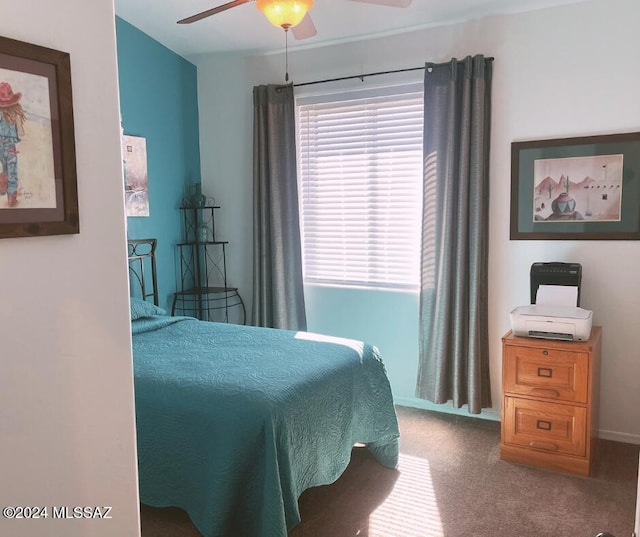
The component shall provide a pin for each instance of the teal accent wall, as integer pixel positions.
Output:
(159, 101)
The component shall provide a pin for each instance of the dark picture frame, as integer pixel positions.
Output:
(582, 188)
(38, 181)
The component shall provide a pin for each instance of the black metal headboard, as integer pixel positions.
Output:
(143, 280)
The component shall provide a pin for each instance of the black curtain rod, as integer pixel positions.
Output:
(361, 77)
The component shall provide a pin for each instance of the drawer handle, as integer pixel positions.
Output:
(549, 446)
(544, 425)
(544, 392)
(546, 372)
(545, 352)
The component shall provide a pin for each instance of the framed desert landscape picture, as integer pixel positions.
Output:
(576, 188)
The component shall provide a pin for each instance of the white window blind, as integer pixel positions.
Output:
(360, 174)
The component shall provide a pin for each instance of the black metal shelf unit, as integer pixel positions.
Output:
(204, 291)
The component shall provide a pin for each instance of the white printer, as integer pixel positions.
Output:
(554, 312)
(569, 323)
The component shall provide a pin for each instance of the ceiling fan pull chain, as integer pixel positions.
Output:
(286, 55)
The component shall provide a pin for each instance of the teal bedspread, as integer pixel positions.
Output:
(235, 422)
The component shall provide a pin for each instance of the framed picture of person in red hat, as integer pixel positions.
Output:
(27, 172)
(38, 184)
(12, 119)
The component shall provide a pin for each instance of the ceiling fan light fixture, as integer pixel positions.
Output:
(284, 13)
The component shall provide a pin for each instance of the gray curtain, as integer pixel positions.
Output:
(278, 297)
(454, 347)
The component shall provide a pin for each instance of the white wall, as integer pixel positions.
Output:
(566, 71)
(226, 156)
(67, 428)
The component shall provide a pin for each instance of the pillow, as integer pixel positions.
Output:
(141, 308)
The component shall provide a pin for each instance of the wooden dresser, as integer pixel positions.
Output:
(550, 402)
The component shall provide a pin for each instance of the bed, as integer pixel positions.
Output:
(235, 422)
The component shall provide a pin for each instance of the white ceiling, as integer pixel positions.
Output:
(245, 29)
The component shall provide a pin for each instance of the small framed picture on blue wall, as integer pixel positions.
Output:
(136, 181)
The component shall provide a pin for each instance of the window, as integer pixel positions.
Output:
(360, 174)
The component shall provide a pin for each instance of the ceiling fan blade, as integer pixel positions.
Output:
(390, 3)
(305, 29)
(213, 11)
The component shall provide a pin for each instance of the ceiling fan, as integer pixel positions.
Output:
(286, 14)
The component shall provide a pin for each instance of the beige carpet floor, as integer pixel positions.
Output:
(451, 483)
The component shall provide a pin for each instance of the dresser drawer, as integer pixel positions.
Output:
(546, 373)
(550, 427)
